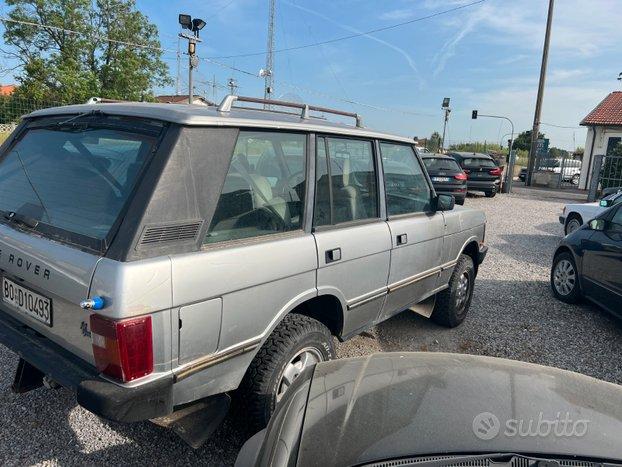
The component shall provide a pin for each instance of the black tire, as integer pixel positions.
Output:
(573, 294)
(571, 223)
(450, 310)
(258, 390)
(460, 201)
(490, 194)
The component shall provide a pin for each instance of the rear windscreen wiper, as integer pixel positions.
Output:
(21, 219)
(83, 114)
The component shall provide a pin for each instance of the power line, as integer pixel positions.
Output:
(352, 36)
(561, 126)
(233, 68)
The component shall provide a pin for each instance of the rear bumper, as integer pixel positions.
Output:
(484, 185)
(103, 398)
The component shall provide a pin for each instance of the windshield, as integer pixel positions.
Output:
(74, 178)
(437, 163)
(478, 162)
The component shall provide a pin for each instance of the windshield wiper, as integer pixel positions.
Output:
(505, 457)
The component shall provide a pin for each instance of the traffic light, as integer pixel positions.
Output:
(474, 115)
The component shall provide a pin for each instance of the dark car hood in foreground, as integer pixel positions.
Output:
(393, 405)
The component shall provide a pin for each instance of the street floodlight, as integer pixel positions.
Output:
(197, 25)
(185, 21)
(445, 102)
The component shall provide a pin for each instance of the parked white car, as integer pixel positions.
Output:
(575, 215)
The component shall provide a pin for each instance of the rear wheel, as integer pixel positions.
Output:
(297, 343)
(565, 278)
(490, 194)
(452, 304)
(574, 222)
(460, 201)
(575, 179)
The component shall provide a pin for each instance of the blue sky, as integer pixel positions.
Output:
(484, 57)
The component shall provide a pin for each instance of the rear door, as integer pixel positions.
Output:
(417, 231)
(64, 184)
(602, 263)
(353, 241)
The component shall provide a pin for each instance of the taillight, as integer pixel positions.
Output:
(123, 349)
(496, 171)
(460, 176)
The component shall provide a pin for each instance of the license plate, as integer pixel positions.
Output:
(26, 301)
(440, 179)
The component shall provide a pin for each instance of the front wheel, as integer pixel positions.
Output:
(574, 223)
(565, 278)
(452, 304)
(298, 342)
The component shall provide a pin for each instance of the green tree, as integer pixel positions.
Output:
(97, 60)
(434, 143)
(523, 140)
(557, 153)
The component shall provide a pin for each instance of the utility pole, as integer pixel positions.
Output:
(233, 86)
(194, 25)
(268, 72)
(447, 110)
(536, 119)
(177, 79)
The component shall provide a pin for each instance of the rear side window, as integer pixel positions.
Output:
(405, 182)
(264, 190)
(478, 162)
(74, 180)
(346, 188)
(434, 164)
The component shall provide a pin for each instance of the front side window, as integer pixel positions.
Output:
(264, 190)
(405, 182)
(346, 188)
(73, 179)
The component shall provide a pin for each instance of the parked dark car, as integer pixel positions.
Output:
(588, 262)
(523, 174)
(482, 171)
(447, 176)
(433, 409)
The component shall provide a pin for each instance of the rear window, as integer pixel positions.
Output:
(73, 179)
(434, 164)
(478, 162)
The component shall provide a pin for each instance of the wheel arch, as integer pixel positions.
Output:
(573, 215)
(472, 249)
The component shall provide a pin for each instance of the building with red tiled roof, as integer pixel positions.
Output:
(7, 89)
(604, 133)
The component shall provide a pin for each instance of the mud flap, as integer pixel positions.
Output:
(425, 308)
(197, 422)
(27, 377)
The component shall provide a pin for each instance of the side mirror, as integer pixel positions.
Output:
(597, 224)
(445, 202)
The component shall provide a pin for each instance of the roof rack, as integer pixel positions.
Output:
(228, 101)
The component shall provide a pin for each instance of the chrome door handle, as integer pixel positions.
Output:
(402, 239)
(333, 255)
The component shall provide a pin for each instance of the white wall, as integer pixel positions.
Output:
(600, 147)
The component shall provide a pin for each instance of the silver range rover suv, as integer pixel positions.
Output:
(158, 257)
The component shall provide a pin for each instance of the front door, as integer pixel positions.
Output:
(353, 242)
(417, 230)
(602, 263)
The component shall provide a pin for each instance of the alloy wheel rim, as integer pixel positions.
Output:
(564, 277)
(462, 291)
(299, 362)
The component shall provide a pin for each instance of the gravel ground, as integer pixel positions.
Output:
(513, 315)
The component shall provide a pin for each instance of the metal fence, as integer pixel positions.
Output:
(13, 108)
(606, 174)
